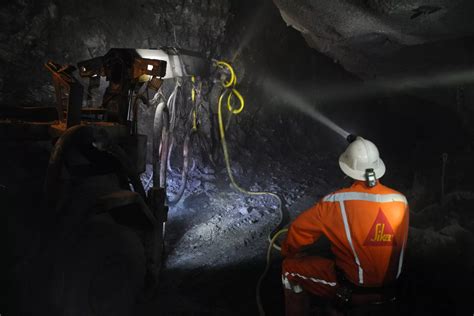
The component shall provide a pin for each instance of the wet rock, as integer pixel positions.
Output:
(208, 177)
(209, 186)
(244, 210)
(255, 187)
(193, 200)
(425, 243)
(366, 34)
(236, 169)
(70, 31)
(208, 170)
(194, 183)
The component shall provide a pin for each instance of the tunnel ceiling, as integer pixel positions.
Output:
(32, 32)
(372, 37)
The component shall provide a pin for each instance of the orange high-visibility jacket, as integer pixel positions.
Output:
(367, 228)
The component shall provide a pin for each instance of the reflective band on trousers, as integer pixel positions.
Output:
(293, 287)
(296, 288)
(369, 197)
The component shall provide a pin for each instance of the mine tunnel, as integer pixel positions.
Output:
(164, 157)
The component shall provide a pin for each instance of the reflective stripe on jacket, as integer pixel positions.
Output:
(367, 228)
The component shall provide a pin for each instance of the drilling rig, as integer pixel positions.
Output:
(107, 246)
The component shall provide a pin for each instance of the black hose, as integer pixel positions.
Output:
(185, 169)
(160, 145)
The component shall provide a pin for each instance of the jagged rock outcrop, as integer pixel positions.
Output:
(31, 32)
(373, 37)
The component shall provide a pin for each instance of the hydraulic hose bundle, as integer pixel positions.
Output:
(166, 118)
(186, 145)
(164, 126)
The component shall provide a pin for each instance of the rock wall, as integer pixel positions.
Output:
(32, 32)
(374, 37)
(252, 35)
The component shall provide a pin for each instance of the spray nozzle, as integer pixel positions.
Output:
(351, 138)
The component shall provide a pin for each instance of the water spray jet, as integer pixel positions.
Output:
(383, 86)
(295, 101)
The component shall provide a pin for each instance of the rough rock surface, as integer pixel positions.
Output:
(366, 35)
(32, 32)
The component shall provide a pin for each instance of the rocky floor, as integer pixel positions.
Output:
(217, 239)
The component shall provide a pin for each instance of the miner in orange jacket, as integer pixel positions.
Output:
(366, 224)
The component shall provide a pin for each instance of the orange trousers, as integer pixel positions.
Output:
(315, 275)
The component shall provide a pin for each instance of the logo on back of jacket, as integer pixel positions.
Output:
(381, 233)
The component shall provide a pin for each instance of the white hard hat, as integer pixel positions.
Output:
(359, 156)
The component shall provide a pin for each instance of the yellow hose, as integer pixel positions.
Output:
(229, 102)
(261, 311)
(233, 78)
(229, 85)
(193, 99)
(232, 91)
(194, 120)
(193, 91)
